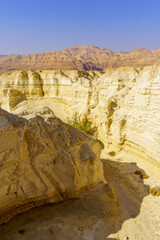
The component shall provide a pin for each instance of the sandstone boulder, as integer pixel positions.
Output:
(44, 161)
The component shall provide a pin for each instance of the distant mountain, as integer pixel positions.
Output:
(79, 58)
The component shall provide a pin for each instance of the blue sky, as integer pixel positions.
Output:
(32, 26)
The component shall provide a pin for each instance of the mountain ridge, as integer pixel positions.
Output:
(83, 57)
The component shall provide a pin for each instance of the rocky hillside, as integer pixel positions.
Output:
(79, 58)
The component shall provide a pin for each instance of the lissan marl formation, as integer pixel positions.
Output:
(45, 160)
(122, 103)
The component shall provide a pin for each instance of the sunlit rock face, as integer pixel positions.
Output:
(139, 116)
(71, 87)
(123, 103)
(128, 115)
(44, 160)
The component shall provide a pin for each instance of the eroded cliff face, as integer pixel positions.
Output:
(123, 103)
(70, 87)
(44, 161)
(127, 114)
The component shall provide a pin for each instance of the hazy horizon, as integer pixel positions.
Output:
(29, 26)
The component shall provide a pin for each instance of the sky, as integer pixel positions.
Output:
(32, 26)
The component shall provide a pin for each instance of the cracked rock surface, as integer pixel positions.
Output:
(44, 161)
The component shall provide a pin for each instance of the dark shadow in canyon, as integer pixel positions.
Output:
(95, 215)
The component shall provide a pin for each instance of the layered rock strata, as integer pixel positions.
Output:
(122, 103)
(42, 161)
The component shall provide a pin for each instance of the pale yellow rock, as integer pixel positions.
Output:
(44, 160)
(122, 103)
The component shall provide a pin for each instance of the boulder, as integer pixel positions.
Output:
(44, 160)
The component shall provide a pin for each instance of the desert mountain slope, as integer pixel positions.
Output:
(79, 58)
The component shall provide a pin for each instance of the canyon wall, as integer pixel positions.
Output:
(122, 103)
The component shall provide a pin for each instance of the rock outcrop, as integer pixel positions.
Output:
(122, 103)
(79, 58)
(42, 161)
(128, 116)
